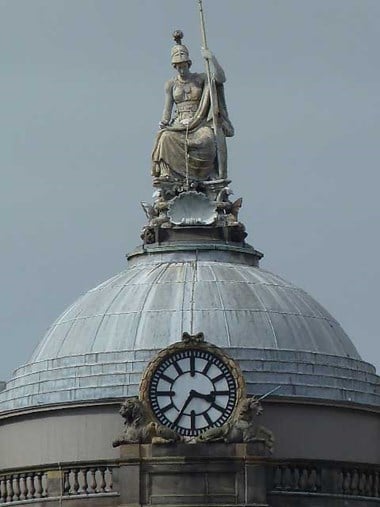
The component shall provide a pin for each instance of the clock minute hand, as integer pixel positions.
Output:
(192, 394)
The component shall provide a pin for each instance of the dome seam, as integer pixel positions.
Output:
(223, 307)
(162, 269)
(106, 314)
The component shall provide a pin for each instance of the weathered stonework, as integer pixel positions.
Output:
(199, 474)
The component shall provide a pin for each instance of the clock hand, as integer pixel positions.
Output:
(188, 400)
(208, 397)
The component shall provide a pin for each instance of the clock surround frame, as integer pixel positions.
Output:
(192, 342)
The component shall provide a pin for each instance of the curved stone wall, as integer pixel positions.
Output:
(335, 432)
(113, 375)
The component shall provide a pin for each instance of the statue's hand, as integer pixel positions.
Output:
(206, 53)
(163, 124)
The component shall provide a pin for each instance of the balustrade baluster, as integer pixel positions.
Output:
(376, 485)
(66, 482)
(23, 489)
(102, 482)
(38, 481)
(312, 480)
(296, 479)
(3, 489)
(339, 482)
(318, 479)
(277, 478)
(110, 479)
(92, 484)
(369, 484)
(16, 487)
(355, 483)
(84, 483)
(362, 483)
(347, 483)
(9, 489)
(30, 486)
(44, 482)
(303, 479)
(75, 482)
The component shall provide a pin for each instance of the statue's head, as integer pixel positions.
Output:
(133, 411)
(179, 53)
(249, 409)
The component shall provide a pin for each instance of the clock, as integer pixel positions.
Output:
(192, 388)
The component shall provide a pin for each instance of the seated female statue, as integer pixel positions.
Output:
(185, 147)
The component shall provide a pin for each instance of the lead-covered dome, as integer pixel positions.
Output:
(235, 304)
(99, 346)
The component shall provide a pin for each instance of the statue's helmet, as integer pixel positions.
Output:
(180, 54)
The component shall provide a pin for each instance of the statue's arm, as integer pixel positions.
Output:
(168, 107)
(217, 73)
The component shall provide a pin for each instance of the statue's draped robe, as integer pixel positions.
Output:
(169, 152)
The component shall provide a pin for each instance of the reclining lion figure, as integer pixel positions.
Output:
(140, 428)
(242, 428)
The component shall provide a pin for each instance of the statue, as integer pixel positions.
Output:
(140, 428)
(187, 149)
(189, 157)
(242, 428)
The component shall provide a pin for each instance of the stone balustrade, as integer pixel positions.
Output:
(68, 481)
(323, 478)
(59, 481)
(16, 487)
(87, 480)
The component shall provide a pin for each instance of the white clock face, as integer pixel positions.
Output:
(191, 391)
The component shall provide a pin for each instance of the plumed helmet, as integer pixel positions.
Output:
(179, 53)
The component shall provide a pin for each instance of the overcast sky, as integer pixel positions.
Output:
(81, 96)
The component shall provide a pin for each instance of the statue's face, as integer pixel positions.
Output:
(182, 68)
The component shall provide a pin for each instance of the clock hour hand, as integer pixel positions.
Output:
(194, 394)
(208, 397)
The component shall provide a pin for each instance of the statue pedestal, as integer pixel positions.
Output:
(198, 475)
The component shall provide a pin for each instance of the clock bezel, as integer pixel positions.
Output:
(194, 344)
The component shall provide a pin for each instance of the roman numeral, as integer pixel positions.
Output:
(178, 418)
(219, 377)
(167, 379)
(217, 407)
(165, 393)
(192, 365)
(178, 368)
(222, 393)
(208, 419)
(207, 367)
(168, 407)
(192, 416)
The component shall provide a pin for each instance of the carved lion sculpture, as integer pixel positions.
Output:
(242, 428)
(140, 427)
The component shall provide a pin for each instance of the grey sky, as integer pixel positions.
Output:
(81, 96)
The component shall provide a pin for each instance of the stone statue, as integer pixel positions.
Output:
(189, 158)
(140, 428)
(185, 147)
(242, 428)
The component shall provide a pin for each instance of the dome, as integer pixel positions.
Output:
(99, 347)
(234, 304)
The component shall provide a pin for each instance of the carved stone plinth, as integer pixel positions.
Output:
(193, 474)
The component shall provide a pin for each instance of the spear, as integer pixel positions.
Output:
(213, 97)
(268, 393)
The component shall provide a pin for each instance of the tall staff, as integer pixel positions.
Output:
(213, 98)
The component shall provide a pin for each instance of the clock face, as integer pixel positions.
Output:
(192, 390)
